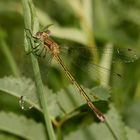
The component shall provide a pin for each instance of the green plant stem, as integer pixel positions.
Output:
(87, 25)
(59, 133)
(31, 22)
(42, 97)
(9, 57)
(83, 10)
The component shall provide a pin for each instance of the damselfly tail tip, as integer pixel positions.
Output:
(99, 114)
(101, 117)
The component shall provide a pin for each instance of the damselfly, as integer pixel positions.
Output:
(47, 45)
(53, 48)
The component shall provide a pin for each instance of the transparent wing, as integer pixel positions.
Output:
(81, 59)
(123, 55)
(126, 55)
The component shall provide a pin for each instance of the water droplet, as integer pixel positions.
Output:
(23, 105)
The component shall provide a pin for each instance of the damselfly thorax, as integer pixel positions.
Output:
(49, 44)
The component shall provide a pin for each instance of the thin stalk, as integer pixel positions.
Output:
(9, 57)
(42, 97)
(87, 25)
(31, 23)
(83, 9)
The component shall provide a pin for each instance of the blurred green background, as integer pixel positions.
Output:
(76, 23)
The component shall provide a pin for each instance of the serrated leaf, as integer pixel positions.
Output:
(92, 132)
(22, 127)
(115, 124)
(100, 93)
(132, 134)
(70, 99)
(66, 101)
(25, 87)
(54, 108)
(20, 87)
(99, 131)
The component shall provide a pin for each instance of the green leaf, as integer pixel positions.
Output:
(22, 127)
(115, 124)
(69, 98)
(106, 62)
(132, 114)
(71, 34)
(100, 93)
(132, 134)
(99, 131)
(20, 87)
(5, 49)
(101, 14)
(92, 132)
(7, 137)
(87, 12)
(25, 87)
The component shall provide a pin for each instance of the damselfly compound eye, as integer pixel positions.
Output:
(38, 35)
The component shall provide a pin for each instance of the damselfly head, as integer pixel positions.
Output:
(41, 35)
(38, 35)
